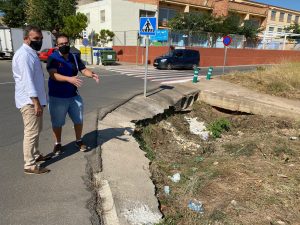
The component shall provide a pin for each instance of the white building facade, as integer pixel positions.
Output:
(119, 16)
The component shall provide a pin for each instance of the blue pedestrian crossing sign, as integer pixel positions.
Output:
(147, 25)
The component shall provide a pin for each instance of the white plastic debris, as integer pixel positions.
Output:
(167, 190)
(141, 215)
(175, 178)
(198, 128)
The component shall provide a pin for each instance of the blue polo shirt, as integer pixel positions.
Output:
(65, 67)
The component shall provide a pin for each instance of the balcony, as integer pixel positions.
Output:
(248, 9)
(204, 3)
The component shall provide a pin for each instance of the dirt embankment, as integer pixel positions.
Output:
(250, 175)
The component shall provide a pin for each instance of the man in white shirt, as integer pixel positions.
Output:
(30, 97)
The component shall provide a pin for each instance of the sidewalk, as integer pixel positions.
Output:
(129, 191)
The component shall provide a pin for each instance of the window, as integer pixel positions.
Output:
(289, 19)
(273, 15)
(88, 17)
(145, 13)
(165, 14)
(281, 17)
(271, 29)
(252, 22)
(279, 30)
(296, 19)
(102, 16)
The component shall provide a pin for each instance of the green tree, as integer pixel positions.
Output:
(65, 8)
(41, 13)
(294, 28)
(249, 30)
(186, 22)
(192, 23)
(189, 23)
(14, 15)
(49, 14)
(105, 36)
(74, 25)
(231, 24)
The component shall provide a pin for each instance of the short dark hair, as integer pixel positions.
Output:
(29, 28)
(62, 36)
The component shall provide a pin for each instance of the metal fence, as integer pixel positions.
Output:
(207, 40)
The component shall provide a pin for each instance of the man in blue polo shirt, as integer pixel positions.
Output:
(64, 98)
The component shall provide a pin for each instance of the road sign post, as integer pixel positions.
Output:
(147, 27)
(146, 66)
(85, 43)
(226, 41)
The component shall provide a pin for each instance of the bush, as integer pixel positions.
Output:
(219, 126)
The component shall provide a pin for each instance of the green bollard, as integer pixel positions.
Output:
(196, 73)
(209, 73)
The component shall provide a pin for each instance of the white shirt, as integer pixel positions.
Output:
(29, 77)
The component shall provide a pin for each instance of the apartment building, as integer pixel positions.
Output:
(119, 16)
(122, 16)
(279, 18)
(252, 12)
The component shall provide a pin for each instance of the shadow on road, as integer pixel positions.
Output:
(90, 139)
(108, 134)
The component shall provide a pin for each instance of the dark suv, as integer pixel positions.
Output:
(178, 59)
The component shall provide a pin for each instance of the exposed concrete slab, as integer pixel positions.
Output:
(125, 167)
(236, 98)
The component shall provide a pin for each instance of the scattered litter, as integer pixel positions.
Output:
(282, 175)
(167, 190)
(279, 222)
(198, 128)
(293, 138)
(141, 214)
(196, 206)
(175, 178)
(216, 163)
(233, 202)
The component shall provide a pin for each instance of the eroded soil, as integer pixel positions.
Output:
(251, 175)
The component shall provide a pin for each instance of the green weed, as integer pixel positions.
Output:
(218, 127)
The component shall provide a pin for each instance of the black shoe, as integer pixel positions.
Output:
(42, 158)
(82, 147)
(57, 150)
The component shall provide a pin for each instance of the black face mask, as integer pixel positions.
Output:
(36, 45)
(65, 49)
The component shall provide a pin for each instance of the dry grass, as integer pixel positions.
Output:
(280, 80)
(249, 176)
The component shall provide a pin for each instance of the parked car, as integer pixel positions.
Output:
(11, 39)
(45, 53)
(178, 59)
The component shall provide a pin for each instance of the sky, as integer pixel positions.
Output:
(289, 4)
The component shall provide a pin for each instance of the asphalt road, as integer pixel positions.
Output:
(113, 87)
(59, 197)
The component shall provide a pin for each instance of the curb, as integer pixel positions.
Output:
(109, 212)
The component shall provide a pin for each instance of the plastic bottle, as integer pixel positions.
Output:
(196, 206)
(167, 190)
